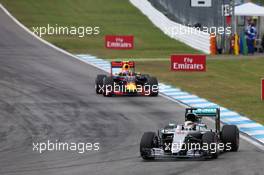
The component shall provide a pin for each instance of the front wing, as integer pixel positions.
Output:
(160, 154)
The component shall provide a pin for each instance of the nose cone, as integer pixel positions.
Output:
(131, 87)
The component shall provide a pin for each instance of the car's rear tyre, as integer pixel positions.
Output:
(108, 86)
(230, 136)
(148, 141)
(99, 82)
(153, 85)
(211, 140)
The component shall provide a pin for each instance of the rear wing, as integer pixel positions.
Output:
(206, 112)
(116, 66)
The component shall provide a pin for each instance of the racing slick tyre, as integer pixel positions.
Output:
(230, 135)
(210, 139)
(99, 82)
(108, 86)
(153, 85)
(148, 141)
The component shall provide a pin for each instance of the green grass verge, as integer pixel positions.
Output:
(234, 84)
(112, 16)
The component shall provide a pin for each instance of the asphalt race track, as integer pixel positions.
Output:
(47, 95)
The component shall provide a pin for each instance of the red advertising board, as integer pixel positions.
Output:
(188, 63)
(119, 42)
(262, 89)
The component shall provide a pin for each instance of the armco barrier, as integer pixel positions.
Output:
(198, 40)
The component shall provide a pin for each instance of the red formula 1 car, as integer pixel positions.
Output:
(123, 80)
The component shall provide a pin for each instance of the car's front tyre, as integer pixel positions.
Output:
(230, 135)
(148, 141)
(108, 86)
(153, 86)
(99, 83)
(210, 138)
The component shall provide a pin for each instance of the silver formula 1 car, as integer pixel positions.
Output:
(193, 139)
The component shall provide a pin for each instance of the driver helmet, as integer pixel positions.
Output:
(189, 125)
(192, 117)
(126, 69)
